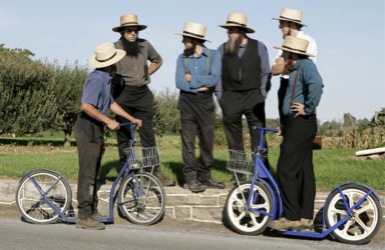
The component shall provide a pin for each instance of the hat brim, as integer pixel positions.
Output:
(293, 51)
(229, 26)
(118, 56)
(289, 20)
(140, 26)
(189, 35)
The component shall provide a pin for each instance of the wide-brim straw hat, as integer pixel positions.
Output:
(235, 19)
(106, 55)
(195, 30)
(129, 20)
(291, 15)
(295, 45)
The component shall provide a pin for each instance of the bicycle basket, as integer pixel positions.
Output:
(240, 161)
(139, 157)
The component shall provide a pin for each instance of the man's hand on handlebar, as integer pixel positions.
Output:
(138, 123)
(113, 125)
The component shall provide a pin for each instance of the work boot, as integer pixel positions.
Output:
(306, 224)
(284, 224)
(194, 186)
(88, 223)
(166, 182)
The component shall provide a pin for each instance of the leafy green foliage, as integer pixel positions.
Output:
(38, 96)
(27, 99)
(68, 84)
(166, 114)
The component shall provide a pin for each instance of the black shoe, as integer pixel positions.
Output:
(194, 186)
(166, 182)
(213, 184)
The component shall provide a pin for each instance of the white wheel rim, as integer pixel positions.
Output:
(355, 228)
(247, 221)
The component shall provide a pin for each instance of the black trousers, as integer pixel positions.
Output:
(138, 102)
(197, 113)
(295, 167)
(281, 95)
(234, 105)
(90, 144)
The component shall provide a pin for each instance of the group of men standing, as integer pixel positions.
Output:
(239, 74)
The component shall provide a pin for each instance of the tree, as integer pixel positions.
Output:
(330, 129)
(27, 100)
(68, 83)
(166, 114)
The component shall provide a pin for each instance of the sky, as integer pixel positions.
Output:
(350, 36)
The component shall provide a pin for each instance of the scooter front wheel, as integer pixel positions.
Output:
(365, 218)
(251, 221)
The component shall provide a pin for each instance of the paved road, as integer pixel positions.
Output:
(15, 234)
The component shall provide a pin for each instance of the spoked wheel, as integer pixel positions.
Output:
(244, 221)
(142, 199)
(30, 202)
(365, 220)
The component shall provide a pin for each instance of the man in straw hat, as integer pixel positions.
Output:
(299, 126)
(290, 23)
(197, 73)
(245, 82)
(89, 130)
(130, 88)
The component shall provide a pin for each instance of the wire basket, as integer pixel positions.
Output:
(240, 161)
(139, 157)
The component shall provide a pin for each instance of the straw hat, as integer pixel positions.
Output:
(195, 30)
(291, 15)
(106, 55)
(295, 45)
(237, 20)
(128, 20)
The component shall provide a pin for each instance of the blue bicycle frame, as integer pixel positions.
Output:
(127, 168)
(262, 175)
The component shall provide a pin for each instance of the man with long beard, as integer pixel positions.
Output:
(245, 82)
(197, 73)
(130, 86)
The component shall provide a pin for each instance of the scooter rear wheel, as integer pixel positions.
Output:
(365, 219)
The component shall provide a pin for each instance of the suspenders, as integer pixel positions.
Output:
(186, 67)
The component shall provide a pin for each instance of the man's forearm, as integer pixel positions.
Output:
(154, 67)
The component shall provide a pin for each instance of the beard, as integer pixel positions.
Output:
(132, 48)
(232, 46)
(189, 51)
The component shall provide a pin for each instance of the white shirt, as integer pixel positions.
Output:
(311, 49)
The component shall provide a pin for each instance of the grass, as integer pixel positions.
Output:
(332, 166)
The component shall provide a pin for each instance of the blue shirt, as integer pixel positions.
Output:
(265, 66)
(308, 89)
(197, 67)
(97, 91)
